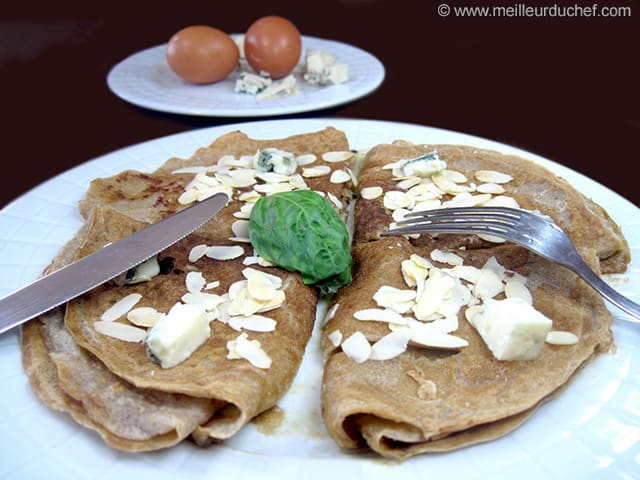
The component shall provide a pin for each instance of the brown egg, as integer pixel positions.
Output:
(202, 54)
(273, 45)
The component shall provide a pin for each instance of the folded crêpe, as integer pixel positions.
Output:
(151, 196)
(69, 379)
(436, 398)
(115, 386)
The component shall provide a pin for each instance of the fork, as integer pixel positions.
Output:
(531, 230)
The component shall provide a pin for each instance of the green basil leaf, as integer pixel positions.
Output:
(300, 231)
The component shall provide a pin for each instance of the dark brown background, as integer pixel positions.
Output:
(564, 88)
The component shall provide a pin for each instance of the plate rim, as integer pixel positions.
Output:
(374, 468)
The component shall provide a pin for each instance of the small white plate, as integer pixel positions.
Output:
(590, 430)
(146, 80)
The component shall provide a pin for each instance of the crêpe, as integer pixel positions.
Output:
(207, 373)
(377, 404)
(151, 196)
(595, 234)
(69, 379)
(209, 396)
(433, 399)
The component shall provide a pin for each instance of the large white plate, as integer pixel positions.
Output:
(146, 80)
(592, 430)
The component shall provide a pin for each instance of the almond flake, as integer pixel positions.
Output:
(502, 201)
(515, 288)
(449, 258)
(259, 286)
(357, 347)
(492, 188)
(195, 282)
(144, 316)
(558, 337)
(121, 307)
(275, 280)
(197, 253)
(371, 193)
(121, 331)
(335, 338)
(489, 284)
(240, 229)
(224, 252)
(426, 335)
(408, 183)
(335, 200)
(339, 176)
(395, 199)
(250, 350)
(413, 273)
(391, 345)
(337, 156)
(447, 186)
(380, 315)
(399, 300)
(306, 159)
(255, 323)
(206, 301)
(453, 175)
(492, 176)
(319, 171)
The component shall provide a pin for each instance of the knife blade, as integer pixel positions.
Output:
(79, 277)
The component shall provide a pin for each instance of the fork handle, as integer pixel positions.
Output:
(608, 292)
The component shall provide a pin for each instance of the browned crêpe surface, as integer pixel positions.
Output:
(597, 237)
(68, 379)
(427, 400)
(112, 386)
(151, 196)
(245, 390)
(380, 404)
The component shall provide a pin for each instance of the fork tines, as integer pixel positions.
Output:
(481, 220)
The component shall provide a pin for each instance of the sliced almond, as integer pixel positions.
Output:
(515, 288)
(206, 301)
(259, 286)
(395, 199)
(250, 350)
(121, 331)
(313, 172)
(492, 188)
(371, 193)
(489, 284)
(380, 315)
(399, 300)
(449, 258)
(558, 337)
(337, 156)
(240, 229)
(339, 176)
(335, 338)
(195, 282)
(197, 253)
(144, 316)
(492, 176)
(306, 159)
(255, 323)
(121, 307)
(224, 252)
(357, 347)
(391, 345)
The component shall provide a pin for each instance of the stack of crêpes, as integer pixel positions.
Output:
(405, 371)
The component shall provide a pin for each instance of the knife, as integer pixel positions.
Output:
(95, 269)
